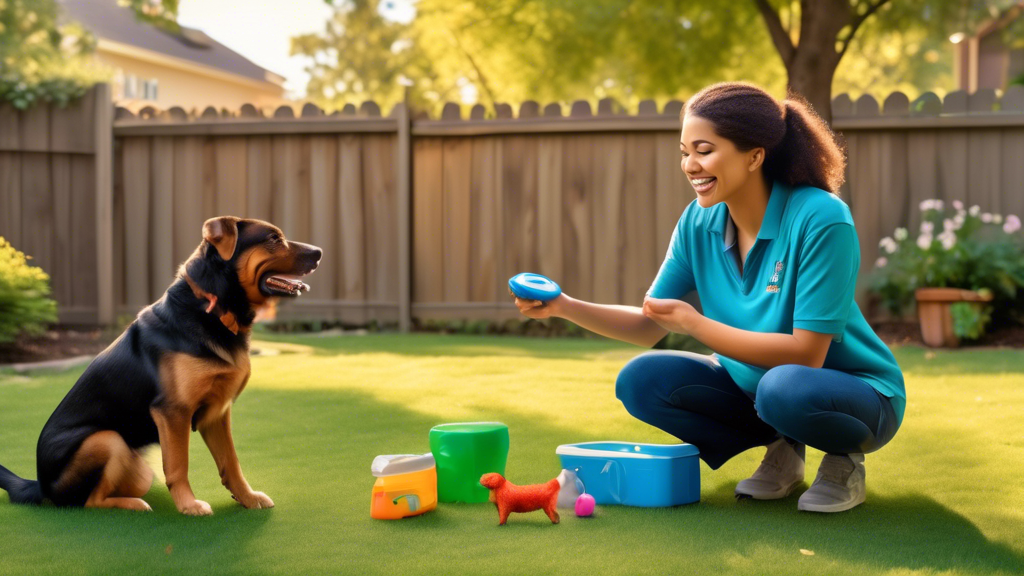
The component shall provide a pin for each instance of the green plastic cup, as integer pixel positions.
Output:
(464, 452)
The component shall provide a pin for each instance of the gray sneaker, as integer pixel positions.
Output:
(781, 471)
(839, 485)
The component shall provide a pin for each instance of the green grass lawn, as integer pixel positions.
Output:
(945, 497)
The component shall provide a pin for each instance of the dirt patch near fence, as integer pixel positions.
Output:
(56, 344)
(902, 333)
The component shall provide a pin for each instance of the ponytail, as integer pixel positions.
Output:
(800, 148)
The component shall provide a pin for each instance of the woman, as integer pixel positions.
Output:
(772, 252)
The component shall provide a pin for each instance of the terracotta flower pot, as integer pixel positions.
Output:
(935, 316)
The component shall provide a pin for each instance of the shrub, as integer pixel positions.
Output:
(24, 304)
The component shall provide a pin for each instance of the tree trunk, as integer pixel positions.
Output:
(811, 77)
(812, 63)
(815, 59)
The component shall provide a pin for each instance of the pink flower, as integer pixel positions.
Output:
(1012, 224)
(948, 239)
(927, 227)
(958, 205)
(881, 262)
(986, 218)
(924, 241)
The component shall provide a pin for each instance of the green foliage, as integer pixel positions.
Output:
(41, 61)
(970, 319)
(24, 304)
(159, 13)
(361, 56)
(561, 50)
(956, 248)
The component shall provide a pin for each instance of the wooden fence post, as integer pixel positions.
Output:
(403, 182)
(104, 172)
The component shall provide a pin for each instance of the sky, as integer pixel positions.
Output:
(261, 30)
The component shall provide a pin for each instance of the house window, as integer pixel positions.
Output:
(149, 89)
(131, 86)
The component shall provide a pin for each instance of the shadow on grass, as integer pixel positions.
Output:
(910, 531)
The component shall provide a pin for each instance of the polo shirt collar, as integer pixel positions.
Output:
(772, 221)
(724, 226)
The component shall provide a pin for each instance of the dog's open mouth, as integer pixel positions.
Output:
(283, 285)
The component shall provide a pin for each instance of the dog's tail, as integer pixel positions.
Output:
(21, 491)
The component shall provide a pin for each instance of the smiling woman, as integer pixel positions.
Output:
(772, 252)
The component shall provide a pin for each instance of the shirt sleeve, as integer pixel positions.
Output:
(827, 280)
(675, 278)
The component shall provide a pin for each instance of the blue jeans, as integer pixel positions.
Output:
(692, 397)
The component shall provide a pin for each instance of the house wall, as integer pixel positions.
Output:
(993, 61)
(191, 88)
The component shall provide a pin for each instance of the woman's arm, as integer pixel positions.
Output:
(625, 323)
(767, 350)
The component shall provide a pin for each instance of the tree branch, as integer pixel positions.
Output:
(479, 73)
(777, 31)
(856, 24)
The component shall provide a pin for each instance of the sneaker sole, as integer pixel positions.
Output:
(777, 495)
(828, 508)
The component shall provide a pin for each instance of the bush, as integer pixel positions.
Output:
(957, 248)
(24, 304)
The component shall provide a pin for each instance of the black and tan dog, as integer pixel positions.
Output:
(177, 368)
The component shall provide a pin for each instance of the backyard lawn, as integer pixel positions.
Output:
(945, 497)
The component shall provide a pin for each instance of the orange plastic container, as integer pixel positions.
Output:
(406, 486)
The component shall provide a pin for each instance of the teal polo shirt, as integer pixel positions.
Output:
(800, 273)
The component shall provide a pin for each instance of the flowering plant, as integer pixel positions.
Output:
(957, 248)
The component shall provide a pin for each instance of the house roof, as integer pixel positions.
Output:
(109, 21)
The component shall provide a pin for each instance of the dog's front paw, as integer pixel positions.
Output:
(196, 508)
(255, 500)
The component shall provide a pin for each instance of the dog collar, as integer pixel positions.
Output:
(226, 318)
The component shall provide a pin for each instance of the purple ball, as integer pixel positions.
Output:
(585, 505)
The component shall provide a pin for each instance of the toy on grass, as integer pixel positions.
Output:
(464, 451)
(585, 505)
(406, 486)
(634, 474)
(573, 494)
(529, 286)
(511, 498)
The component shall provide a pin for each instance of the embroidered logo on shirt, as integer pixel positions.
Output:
(773, 282)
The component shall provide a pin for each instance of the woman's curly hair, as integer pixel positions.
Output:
(800, 148)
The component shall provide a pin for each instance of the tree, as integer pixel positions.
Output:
(826, 30)
(513, 50)
(812, 51)
(361, 56)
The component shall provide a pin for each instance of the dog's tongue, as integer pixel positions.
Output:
(287, 284)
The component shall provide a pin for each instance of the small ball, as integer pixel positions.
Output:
(585, 505)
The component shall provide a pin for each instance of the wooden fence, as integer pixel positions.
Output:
(427, 218)
(55, 170)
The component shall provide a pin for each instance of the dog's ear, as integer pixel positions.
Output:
(222, 234)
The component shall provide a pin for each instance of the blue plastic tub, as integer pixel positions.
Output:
(630, 474)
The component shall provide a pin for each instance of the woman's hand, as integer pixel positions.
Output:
(539, 310)
(672, 315)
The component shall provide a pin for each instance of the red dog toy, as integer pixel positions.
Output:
(511, 498)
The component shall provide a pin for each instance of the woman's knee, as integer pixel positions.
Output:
(782, 393)
(634, 383)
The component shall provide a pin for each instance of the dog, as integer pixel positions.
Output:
(511, 498)
(176, 369)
